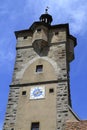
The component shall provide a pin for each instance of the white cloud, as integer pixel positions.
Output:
(63, 11)
(78, 22)
(72, 11)
(7, 59)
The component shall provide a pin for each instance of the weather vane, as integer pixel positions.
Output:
(46, 10)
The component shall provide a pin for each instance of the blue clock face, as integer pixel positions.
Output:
(37, 92)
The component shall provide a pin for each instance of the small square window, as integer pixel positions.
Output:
(51, 90)
(39, 68)
(35, 126)
(25, 37)
(23, 92)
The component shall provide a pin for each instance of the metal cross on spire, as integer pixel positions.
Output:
(46, 10)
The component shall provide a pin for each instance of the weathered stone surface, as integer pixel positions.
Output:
(10, 117)
(54, 58)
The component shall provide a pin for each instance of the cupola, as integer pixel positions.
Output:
(46, 18)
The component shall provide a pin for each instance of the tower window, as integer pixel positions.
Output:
(51, 90)
(23, 92)
(39, 68)
(25, 37)
(39, 30)
(35, 126)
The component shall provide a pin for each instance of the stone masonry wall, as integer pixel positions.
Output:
(10, 117)
(62, 105)
(57, 53)
(22, 58)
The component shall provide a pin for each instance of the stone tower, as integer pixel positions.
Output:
(39, 97)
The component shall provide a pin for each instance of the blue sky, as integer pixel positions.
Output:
(20, 14)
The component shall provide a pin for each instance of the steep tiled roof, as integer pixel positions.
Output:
(79, 125)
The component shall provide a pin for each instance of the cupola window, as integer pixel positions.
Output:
(56, 33)
(39, 30)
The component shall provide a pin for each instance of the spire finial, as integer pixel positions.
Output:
(46, 10)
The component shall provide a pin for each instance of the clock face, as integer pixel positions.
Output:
(37, 92)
